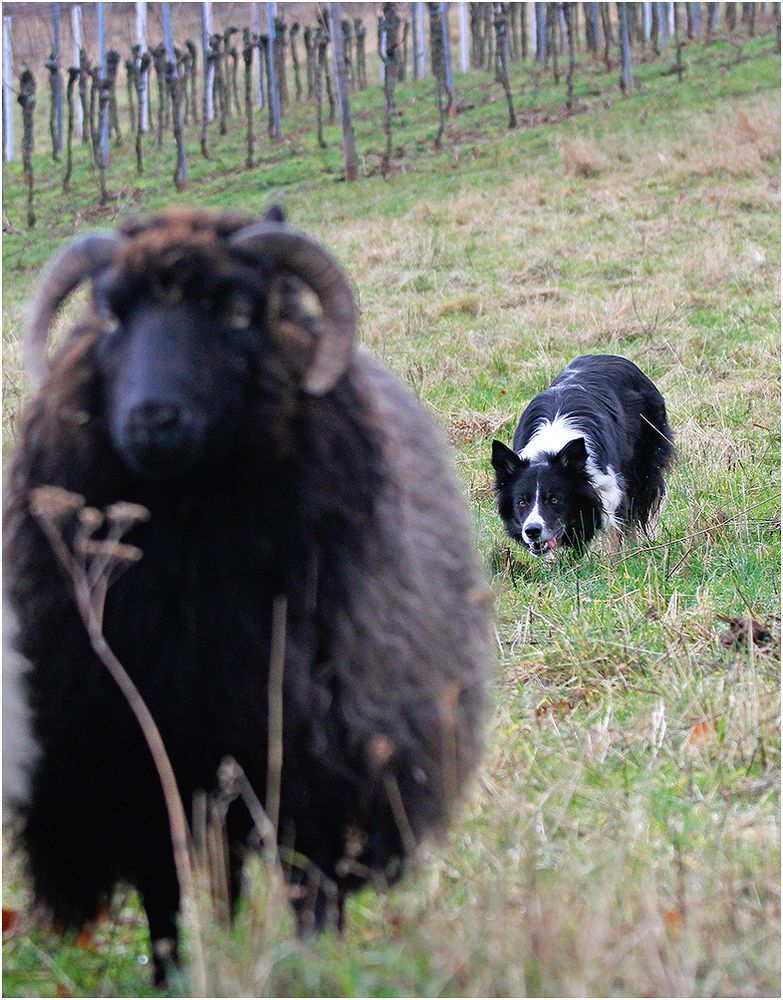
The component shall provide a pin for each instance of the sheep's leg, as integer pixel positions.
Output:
(160, 896)
(318, 903)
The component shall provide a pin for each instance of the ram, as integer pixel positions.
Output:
(215, 379)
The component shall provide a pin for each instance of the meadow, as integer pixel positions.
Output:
(623, 836)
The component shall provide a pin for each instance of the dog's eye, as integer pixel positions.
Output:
(524, 501)
(554, 501)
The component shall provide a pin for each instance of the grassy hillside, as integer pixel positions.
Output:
(624, 836)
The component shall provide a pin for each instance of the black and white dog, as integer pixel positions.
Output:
(589, 453)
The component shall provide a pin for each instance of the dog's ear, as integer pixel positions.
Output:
(505, 462)
(572, 455)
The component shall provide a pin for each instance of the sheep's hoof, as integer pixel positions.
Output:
(317, 910)
(165, 963)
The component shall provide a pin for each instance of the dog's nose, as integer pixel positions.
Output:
(533, 531)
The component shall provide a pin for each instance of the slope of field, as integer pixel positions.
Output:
(623, 838)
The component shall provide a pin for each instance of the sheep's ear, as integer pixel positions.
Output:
(572, 455)
(274, 213)
(505, 462)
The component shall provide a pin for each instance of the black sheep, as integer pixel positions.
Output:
(276, 460)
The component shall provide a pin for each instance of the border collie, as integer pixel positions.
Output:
(589, 453)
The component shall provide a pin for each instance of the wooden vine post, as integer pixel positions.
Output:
(569, 12)
(210, 56)
(626, 73)
(141, 70)
(402, 56)
(260, 99)
(141, 41)
(360, 34)
(101, 82)
(248, 50)
(271, 73)
(159, 62)
(172, 82)
(130, 84)
(464, 38)
(85, 78)
(347, 32)
(293, 34)
(501, 48)
(230, 74)
(328, 78)
(341, 85)
(448, 72)
(321, 41)
(56, 83)
(208, 67)
(8, 92)
(112, 66)
(73, 79)
(388, 29)
(677, 35)
(26, 99)
(280, 30)
(311, 57)
(415, 43)
(436, 55)
(193, 72)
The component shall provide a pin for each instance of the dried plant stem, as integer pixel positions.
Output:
(178, 824)
(90, 601)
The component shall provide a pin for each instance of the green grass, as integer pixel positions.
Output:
(605, 850)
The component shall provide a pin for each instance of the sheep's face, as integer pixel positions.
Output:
(177, 361)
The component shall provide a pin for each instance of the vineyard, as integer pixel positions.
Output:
(623, 837)
(198, 91)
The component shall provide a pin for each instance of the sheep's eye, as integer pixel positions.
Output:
(239, 314)
(109, 320)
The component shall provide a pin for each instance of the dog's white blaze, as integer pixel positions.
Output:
(533, 519)
(551, 436)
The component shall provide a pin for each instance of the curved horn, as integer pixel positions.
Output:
(311, 263)
(82, 258)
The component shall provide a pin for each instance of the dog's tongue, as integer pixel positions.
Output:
(552, 542)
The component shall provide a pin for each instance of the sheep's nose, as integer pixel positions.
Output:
(154, 417)
(159, 438)
(533, 531)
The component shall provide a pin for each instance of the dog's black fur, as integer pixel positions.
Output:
(588, 452)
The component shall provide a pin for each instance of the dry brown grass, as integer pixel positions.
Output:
(736, 144)
(582, 157)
